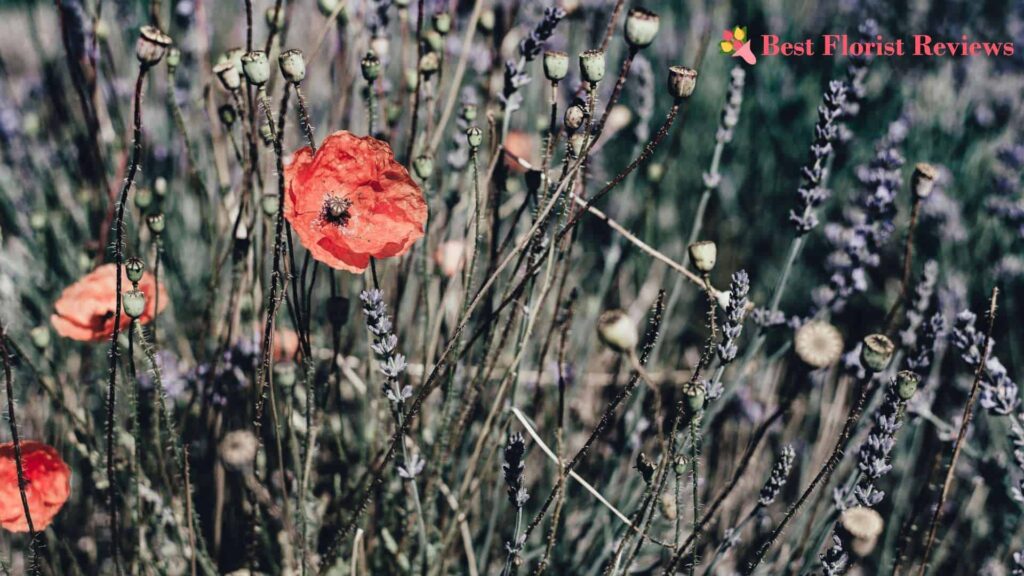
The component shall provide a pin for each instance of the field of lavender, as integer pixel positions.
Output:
(570, 287)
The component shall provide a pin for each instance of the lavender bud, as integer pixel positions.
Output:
(778, 476)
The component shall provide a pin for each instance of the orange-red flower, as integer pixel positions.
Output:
(85, 310)
(352, 201)
(49, 484)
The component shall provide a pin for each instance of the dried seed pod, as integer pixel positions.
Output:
(134, 303)
(229, 75)
(818, 344)
(682, 81)
(876, 352)
(151, 46)
(704, 254)
(906, 384)
(293, 66)
(574, 117)
(923, 180)
(134, 267)
(617, 331)
(256, 67)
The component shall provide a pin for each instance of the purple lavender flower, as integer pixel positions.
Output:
(999, 393)
(385, 342)
(812, 191)
(735, 311)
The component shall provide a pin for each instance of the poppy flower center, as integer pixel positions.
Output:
(336, 210)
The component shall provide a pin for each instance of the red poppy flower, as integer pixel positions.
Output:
(352, 201)
(85, 310)
(49, 484)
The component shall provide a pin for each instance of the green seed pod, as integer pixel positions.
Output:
(156, 223)
(229, 76)
(402, 4)
(40, 337)
(704, 254)
(592, 65)
(430, 63)
(134, 303)
(37, 220)
(327, 7)
(143, 198)
(424, 166)
(442, 23)
(876, 352)
(370, 65)
(556, 65)
(134, 268)
(679, 465)
(256, 67)
(906, 384)
(432, 41)
(474, 136)
(293, 66)
(227, 115)
(641, 27)
(270, 203)
(173, 59)
(151, 46)
(275, 18)
(468, 112)
(617, 331)
(694, 395)
(682, 81)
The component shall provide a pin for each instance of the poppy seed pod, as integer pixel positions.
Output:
(592, 65)
(432, 41)
(474, 136)
(275, 18)
(818, 344)
(228, 75)
(267, 134)
(156, 223)
(40, 337)
(402, 4)
(133, 268)
(284, 374)
(151, 45)
(574, 117)
(134, 303)
(370, 65)
(694, 396)
(617, 331)
(424, 166)
(468, 112)
(256, 67)
(173, 58)
(704, 254)
(860, 527)
(430, 62)
(876, 352)
(412, 80)
(681, 81)
(270, 203)
(556, 65)
(293, 66)
(923, 180)
(442, 23)
(906, 384)
(641, 27)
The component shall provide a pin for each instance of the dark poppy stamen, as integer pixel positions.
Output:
(336, 210)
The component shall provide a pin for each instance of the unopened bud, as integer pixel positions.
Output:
(923, 180)
(424, 166)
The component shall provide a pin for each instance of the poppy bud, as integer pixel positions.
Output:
(371, 66)
(641, 27)
(617, 331)
(704, 254)
(430, 62)
(694, 396)
(134, 303)
(156, 223)
(134, 267)
(256, 67)
(576, 143)
(474, 136)
(143, 198)
(337, 310)
(487, 21)
(424, 166)
(293, 66)
(40, 337)
(556, 65)
(228, 75)
(876, 352)
(275, 18)
(443, 23)
(681, 81)
(151, 45)
(679, 465)
(592, 65)
(468, 112)
(906, 384)
(432, 40)
(574, 117)
(923, 180)
(270, 203)
(173, 58)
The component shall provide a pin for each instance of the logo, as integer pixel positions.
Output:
(736, 43)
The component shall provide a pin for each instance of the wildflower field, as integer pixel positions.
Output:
(496, 287)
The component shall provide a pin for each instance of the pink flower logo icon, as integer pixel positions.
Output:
(736, 43)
